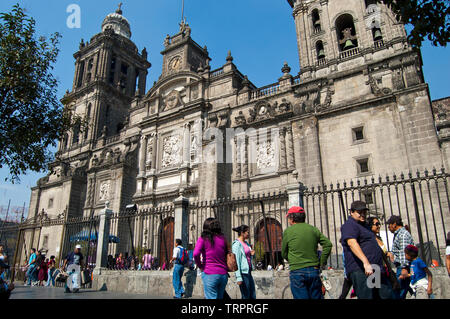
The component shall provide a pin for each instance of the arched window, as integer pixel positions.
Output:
(76, 134)
(346, 32)
(89, 70)
(376, 34)
(320, 50)
(316, 21)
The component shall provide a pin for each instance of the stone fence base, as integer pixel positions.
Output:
(269, 284)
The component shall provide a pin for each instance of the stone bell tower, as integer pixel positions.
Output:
(332, 31)
(109, 74)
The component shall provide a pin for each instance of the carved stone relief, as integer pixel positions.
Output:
(172, 151)
(265, 155)
(172, 100)
(104, 190)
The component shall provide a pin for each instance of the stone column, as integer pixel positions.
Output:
(290, 148)
(142, 80)
(237, 158)
(295, 194)
(103, 239)
(151, 170)
(245, 159)
(106, 63)
(142, 155)
(181, 227)
(140, 185)
(77, 72)
(186, 144)
(283, 160)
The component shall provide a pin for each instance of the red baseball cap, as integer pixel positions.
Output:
(295, 210)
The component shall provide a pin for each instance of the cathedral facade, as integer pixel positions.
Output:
(359, 107)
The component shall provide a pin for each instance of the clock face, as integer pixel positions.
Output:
(175, 63)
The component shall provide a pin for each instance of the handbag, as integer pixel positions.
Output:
(61, 276)
(231, 262)
(391, 275)
(85, 277)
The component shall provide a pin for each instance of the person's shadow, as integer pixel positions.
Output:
(191, 279)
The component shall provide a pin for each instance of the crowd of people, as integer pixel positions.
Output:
(40, 270)
(370, 268)
(373, 271)
(125, 261)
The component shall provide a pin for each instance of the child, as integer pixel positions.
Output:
(421, 285)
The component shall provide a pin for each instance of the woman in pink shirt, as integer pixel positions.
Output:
(147, 260)
(212, 246)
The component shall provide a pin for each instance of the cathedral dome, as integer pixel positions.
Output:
(118, 23)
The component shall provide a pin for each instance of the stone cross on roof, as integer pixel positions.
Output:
(119, 10)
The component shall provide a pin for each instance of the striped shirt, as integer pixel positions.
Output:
(402, 238)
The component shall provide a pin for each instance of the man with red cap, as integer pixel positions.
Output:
(299, 248)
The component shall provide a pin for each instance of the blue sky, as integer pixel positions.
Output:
(259, 33)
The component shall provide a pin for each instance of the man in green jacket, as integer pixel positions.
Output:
(299, 248)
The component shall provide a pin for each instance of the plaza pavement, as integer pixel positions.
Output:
(27, 292)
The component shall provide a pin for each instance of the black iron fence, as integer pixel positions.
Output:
(263, 213)
(421, 199)
(133, 234)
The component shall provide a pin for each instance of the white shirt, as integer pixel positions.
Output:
(447, 251)
(176, 252)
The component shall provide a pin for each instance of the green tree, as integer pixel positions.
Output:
(259, 251)
(430, 19)
(31, 116)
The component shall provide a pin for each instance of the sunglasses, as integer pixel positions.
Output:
(377, 224)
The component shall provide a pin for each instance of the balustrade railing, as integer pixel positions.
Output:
(349, 53)
(265, 91)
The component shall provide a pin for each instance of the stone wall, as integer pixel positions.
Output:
(269, 284)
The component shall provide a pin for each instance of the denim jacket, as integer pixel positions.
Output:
(241, 259)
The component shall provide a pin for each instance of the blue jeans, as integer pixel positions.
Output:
(31, 274)
(51, 278)
(362, 290)
(306, 283)
(404, 286)
(248, 286)
(214, 285)
(178, 270)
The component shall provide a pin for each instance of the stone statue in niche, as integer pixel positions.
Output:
(149, 151)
